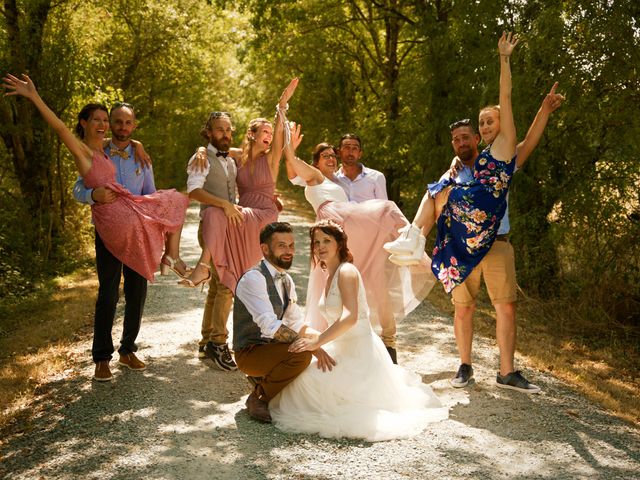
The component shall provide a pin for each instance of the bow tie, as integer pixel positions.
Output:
(122, 153)
(222, 154)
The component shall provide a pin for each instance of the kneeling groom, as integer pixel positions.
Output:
(267, 319)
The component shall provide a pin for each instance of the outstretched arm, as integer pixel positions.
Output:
(275, 153)
(550, 104)
(504, 146)
(81, 152)
(296, 167)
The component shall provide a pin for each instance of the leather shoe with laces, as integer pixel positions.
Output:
(131, 361)
(103, 373)
(257, 408)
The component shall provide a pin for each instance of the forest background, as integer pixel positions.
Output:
(396, 72)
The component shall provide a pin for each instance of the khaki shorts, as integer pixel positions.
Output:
(498, 268)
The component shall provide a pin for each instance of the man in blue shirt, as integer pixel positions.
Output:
(138, 179)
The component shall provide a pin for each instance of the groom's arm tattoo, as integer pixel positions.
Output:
(285, 335)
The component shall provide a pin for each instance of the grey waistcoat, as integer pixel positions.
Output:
(245, 331)
(217, 182)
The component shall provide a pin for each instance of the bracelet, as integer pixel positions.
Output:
(92, 199)
(285, 108)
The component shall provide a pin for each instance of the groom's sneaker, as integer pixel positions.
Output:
(465, 373)
(515, 381)
(257, 408)
(392, 354)
(221, 356)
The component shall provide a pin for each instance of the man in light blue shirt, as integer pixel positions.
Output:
(359, 182)
(138, 179)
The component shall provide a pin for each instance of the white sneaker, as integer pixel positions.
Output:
(406, 243)
(414, 258)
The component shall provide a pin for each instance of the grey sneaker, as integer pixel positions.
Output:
(465, 373)
(515, 381)
(221, 356)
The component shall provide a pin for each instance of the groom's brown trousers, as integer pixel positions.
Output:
(274, 363)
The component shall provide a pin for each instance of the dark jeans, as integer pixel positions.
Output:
(110, 270)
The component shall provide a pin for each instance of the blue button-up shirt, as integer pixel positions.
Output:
(465, 175)
(135, 178)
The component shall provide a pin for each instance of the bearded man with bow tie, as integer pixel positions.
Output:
(216, 187)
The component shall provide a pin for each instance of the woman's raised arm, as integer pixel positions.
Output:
(296, 167)
(504, 146)
(81, 152)
(275, 153)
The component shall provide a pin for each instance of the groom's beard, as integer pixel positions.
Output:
(279, 261)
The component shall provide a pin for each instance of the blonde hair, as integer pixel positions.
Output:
(495, 108)
(249, 139)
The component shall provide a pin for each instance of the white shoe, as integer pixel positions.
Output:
(406, 243)
(412, 259)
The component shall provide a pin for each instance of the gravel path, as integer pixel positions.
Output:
(183, 419)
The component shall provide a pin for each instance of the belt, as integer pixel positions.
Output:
(502, 238)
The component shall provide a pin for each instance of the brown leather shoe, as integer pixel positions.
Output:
(257, 408)
(103, 373)
(131, 361)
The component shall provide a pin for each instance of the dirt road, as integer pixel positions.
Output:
(183, 419)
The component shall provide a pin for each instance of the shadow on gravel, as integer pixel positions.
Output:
(557, 417)
(136, 405)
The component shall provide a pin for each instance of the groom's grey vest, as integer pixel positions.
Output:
(245, 331)
(217, 182)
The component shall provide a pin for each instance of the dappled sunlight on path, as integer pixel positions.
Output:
(183, 419)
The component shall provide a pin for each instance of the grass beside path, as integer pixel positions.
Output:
(38, 339)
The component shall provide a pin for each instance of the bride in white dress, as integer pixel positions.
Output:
(365, 395)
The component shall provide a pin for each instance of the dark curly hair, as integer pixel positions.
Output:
(334, 230)
(85, 114)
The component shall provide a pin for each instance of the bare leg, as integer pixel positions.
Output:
(203, 269)
(506, 335)
(426, 215)
(463, 330)
(171, 255)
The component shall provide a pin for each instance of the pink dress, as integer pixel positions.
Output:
(235, 249)
(392, 291)
(133, 227)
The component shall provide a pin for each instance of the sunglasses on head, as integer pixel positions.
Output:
(460, 123)
(213, 115)
(117, 105)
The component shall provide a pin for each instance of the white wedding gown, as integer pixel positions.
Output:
(365, 395)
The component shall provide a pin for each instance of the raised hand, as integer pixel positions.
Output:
(296, 136)
(15, 86)
(288, 93)
(553, 100)
(507, 43)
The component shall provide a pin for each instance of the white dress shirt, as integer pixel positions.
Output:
(197, 177)
(252, 292)
(368, 185)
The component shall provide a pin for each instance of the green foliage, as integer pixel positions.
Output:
(396, 72)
